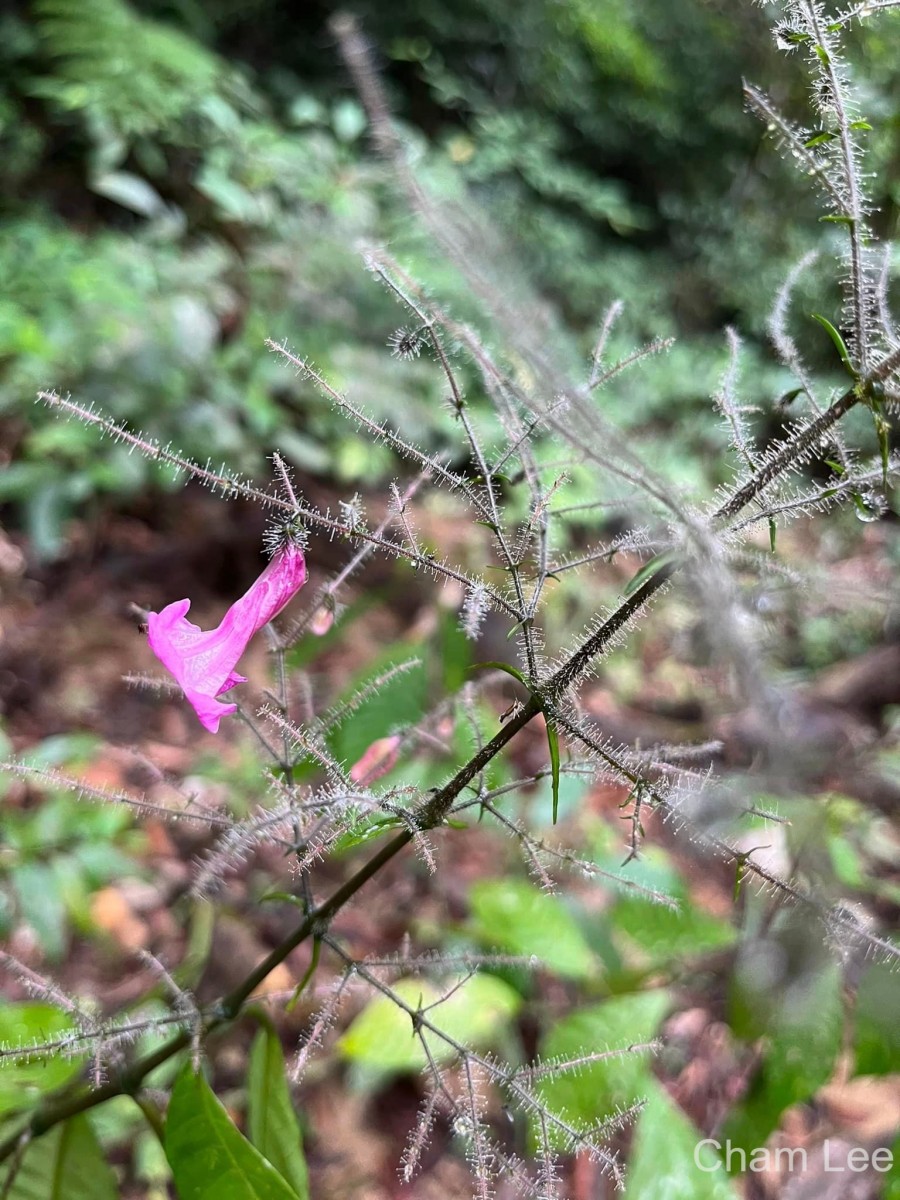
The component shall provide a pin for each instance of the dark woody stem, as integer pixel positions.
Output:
(431, 814)
(228, 1007)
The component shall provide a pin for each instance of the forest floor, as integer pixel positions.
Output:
(70, 635)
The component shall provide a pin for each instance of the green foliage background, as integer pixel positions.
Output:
(185, 179)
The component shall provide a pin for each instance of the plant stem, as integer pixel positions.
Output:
(432, 813)
(230, 1006)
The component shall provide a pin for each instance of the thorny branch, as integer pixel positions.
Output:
(433, 812)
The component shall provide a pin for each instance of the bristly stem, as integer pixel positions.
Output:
(434, 811)
(229, 1006)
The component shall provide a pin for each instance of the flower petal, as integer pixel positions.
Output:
(204, 663)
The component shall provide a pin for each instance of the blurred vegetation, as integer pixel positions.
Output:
(185, 179)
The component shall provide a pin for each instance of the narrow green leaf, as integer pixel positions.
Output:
(883, 433)
(501, 666)
(518, 625)
(838, 341)
(66, 1164)
(773, 532)
(864, 125)
(836, 219)
(647, 570)
(553, 742)
(209, 1157)
(271, 1120)
(307, 975)
(820, 139)
(282, 898)
(790, 397)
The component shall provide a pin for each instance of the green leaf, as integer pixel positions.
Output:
(820, 139)
(41, 905)
(665, 1152)
(883, 434)
(501, 666)
(515, 916)
(804, 1037)
(382, 1036)
(553, 741)
(838, 341)
(788, 398)
(365, 830)
(23, 1083)
(66, 1164)
(271, 1120)
(597, 1089)
(209, 1157)
(647, 570)
(662, 934)
(877, 1022)
(400, 701)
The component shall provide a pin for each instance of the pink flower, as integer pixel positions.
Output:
(204, 663)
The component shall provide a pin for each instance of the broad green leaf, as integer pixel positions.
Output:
(209, 1157)
(515, 916)
(662, 934)
(271, 1120)
(382, 1036)
(877, 1022)
(665, 1155)
(40, 902)
(23, 1083)
(400, 701)
(65, 1164)
(595, 1091)
(804, 1036)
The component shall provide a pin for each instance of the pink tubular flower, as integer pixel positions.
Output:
(204, 663)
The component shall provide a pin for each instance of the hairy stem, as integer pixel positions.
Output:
(432, 813)
(222, 1012)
